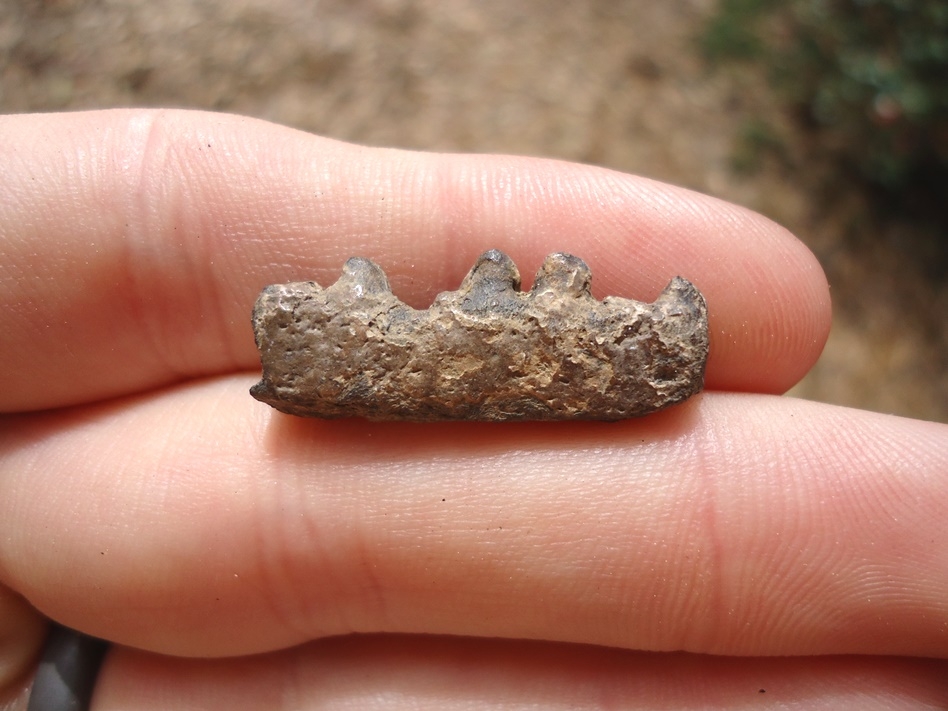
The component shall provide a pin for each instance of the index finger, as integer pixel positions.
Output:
(133, 244)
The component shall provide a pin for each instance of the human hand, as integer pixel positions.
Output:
(146, 498)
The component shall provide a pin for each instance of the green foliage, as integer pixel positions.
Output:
(757, 139)
(871, 76)
(734, 32)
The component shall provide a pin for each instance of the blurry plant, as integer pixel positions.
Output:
(871, 76)
(757, 139)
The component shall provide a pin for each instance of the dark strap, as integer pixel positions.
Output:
(67, 671)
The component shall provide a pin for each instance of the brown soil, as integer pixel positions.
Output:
(613, 82)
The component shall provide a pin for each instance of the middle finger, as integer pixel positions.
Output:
(200, 522)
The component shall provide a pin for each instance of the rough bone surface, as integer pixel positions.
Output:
(484, 352)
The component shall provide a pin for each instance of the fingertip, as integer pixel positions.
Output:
(770, 312)
(22, 631)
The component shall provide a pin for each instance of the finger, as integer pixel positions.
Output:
(201, 523)
(367, 673)
(133, 244)
(22, 631)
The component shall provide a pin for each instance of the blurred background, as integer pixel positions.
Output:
(829, 117)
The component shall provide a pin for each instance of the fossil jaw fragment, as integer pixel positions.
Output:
(484, 352)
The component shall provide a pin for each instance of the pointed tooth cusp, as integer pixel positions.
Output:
(563, 274)
(363, 277)
(492, 284)
(681, 298)
(493, 269)
(493, 273)
(675, 289)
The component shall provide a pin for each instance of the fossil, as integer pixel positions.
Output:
(484, 352)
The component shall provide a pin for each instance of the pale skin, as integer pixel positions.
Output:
(741, 549)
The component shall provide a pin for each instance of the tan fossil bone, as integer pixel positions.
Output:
(484, 352)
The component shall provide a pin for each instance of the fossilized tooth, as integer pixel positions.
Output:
(484, 352)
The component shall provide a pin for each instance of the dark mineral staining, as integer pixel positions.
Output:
(484, 352)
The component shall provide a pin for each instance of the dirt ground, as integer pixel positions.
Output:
(617, 83)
